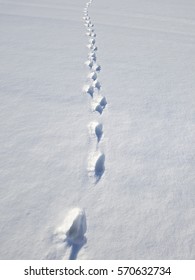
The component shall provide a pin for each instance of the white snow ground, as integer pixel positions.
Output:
(143, 204)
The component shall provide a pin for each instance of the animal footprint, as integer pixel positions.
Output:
(77, 227)
(93, 76)
(93, 34)
(96, 84)
(88, 89)
(96, 166)
(99, 104)
(89, 63)
(70, 236)
(90, 29)
(97, 68)
(103, 102)
(96, 129)
(92, 56)
(92, 41)
(86, 17)
(92, 47)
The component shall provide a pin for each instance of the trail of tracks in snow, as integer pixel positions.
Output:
(70, 237)
(96, 160)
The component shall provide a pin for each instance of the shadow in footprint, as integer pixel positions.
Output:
(92, 76)
(75, 236)
(88, 89)
(92, 57)
(101, 106)
(99, 167)
(97, 68)
(97, 85)
(103, 102)
(89, 63)
(75, 248)
(99, 132)
(92, 41)
(99, 109)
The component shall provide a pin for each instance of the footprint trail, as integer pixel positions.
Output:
(93, 87)
(70, 237)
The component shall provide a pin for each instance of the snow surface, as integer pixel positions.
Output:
(97, 153)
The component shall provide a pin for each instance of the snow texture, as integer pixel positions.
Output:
(97, 129)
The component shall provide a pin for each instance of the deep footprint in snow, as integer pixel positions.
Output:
(90, 63)
(70, 236)
(103, 102)
(88, 89)
(92, 47)
(92, 56)
(90, 34)
(99, 167)
(98, 104)
(91, 29)
(96, 166)
(96, 84)
(93, 34)
(99, 109)
(96, 129)
(99, 131)
(97, 68)
(77, 228)
(92, 76)
(88, 22)
(92, 41)
(86, 17)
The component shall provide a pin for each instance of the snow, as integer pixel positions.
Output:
(75, 226)
(97, 133)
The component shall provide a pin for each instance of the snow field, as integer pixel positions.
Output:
(80, 178)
